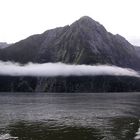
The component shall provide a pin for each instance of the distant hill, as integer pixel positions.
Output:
(3, 45)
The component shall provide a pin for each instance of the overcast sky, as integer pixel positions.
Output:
(22, 18)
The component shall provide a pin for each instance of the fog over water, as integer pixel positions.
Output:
(61, 69)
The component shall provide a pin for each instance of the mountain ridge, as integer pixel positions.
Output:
(84, 37)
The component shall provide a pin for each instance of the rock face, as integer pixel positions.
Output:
(137, 48)
(83, 42)
(70, 84)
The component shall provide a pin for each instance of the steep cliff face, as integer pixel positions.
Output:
(70, 84)
(83, 42)
(92, 84)
(17, 84)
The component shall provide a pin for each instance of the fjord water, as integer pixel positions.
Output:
(69, 116)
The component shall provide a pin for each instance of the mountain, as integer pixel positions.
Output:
(137, 48)
(83, 42)
(70, 84)
(3, 45)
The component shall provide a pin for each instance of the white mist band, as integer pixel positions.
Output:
(61, 69)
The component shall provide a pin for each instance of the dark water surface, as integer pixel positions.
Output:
(69, 116)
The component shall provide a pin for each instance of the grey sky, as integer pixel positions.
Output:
(22, 18)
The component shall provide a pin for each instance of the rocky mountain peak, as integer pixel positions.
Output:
(85, 41)
(86, 18)
(89, 27)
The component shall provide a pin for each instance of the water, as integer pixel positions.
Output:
(70, 116)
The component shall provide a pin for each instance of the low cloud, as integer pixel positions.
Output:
(61, 69)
